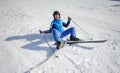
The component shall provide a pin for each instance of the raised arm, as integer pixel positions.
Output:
(68, 22)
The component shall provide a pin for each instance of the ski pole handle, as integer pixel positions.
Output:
(69, 18)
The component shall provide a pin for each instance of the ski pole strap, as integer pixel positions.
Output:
(81, 29)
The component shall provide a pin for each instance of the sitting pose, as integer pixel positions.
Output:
(56, 27)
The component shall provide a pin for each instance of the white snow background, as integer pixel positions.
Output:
(22, 47)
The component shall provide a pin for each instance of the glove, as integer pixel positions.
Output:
(41, 31)
(69, 18)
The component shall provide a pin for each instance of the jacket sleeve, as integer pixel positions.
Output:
(49, 30)
(52, 26)
(66, 24)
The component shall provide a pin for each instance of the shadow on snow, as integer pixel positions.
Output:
(84, 47)
(34, 41)
(35, 45)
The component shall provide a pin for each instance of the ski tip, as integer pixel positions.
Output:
(101, 40)
(104, 40)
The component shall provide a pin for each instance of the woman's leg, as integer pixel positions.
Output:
(56, 35)
(70, 31)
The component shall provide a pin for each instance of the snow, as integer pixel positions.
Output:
(23, 48)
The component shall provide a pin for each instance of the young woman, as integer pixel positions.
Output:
(56, 27)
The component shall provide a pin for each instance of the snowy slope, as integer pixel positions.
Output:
(22, 47)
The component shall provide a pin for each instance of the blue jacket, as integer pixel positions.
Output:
(58, 25)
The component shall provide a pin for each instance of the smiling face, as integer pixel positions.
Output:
(57, 16)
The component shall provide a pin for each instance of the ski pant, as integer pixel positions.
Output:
(58, 35)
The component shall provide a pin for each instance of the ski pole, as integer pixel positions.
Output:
(82, 29)
(46, 41)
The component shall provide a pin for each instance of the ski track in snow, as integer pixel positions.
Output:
(23, 48)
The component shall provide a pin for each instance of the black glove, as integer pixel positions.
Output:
(69, 18)
(41, 31)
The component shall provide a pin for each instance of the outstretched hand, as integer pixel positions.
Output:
(69, 18)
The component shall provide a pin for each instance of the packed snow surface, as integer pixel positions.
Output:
(24, 50)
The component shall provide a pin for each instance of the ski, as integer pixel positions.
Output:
(90, 41)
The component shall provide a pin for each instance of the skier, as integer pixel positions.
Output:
(56, 27)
